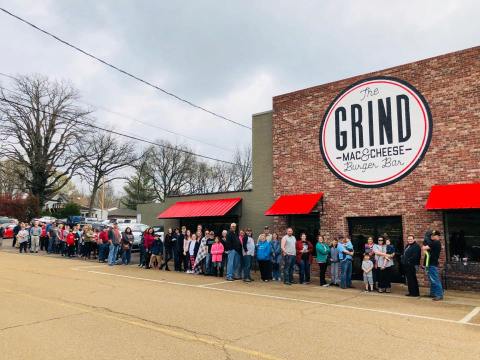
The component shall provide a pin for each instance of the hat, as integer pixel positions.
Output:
(436, 233)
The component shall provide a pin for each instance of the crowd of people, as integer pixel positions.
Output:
(231, 254)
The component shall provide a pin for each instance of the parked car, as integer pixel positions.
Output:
(137, 230)
(47, 219)
(8, 230)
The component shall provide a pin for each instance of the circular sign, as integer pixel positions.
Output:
(375, 132)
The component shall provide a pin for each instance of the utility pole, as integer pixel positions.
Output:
(103, 195)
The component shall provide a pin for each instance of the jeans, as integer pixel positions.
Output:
(334, 273)
(102, 251)
(436, 288)
(237, 272)
(276, 271)
(247, 263)
(126, 256)
(35, 243)
(232, 260)
(208, 264)
(304, 266)
(51, 244)
(288, 268)
(112, 254)
(346, 274)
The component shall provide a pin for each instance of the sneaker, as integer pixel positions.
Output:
(388, 290)
(247, 280)
(381, 290)
(287, 283)
(438, 298)
(229, 279)
(326, 285)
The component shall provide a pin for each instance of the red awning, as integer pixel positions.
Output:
(294, 204)
(199, 208)
(454, 196)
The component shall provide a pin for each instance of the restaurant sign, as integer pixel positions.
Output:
(375, 132)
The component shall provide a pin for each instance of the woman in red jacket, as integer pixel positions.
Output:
(304, 258)
(70, 240)
(148, 239)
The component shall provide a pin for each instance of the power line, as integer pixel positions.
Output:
(123, 71)
(116, 132)
(134, 119)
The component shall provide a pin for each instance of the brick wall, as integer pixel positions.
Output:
(451, 85)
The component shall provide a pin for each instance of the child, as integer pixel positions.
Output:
(390, 253)
(157, 253)
(367, 267)
(334, 264)
(70, 241)
(217, 253)
(22, 238)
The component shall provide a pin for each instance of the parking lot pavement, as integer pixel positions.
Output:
(57, 308)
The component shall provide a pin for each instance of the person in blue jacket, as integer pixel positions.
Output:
(264, 254)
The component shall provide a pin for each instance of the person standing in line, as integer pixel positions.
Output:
(70, 243)
(62, 233)
(334, 264)
(411, 262)
(233, 246)
(223, 241)
(103, 247)
(276, 257)
(434, 249)
(148, 239)
(264, 257)
(248, 255)
(323, 251)
(168, 245)
(369, 249)
(175, 248)
(43, 238)
(127, 243)
(289, 254)
(210, 240)
(22, 238)
(367, 267)
(186, 247)
(384, 264)
(304, 249)
(52, 238)
(35, 233)
(16, 230)
(193, 247)
(157, 253)
(345, 255)
(114, 238)
(217, 255)
(88, 241)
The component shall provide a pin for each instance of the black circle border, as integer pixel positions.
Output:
(420, 158)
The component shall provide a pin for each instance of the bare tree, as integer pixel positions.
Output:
(242, 170)
(10, 182)
(171, 168)
(103, 157)
(41, 122)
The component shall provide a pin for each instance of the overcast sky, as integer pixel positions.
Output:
(228, 56)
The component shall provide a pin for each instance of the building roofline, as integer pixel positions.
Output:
(373, 72)
(214, 193)
(263, 113)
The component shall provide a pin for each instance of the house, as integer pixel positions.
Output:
(121, 214)
(55, 203)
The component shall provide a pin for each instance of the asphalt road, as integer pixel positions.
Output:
(57, 308)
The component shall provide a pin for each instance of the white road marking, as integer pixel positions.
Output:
(470, 316)
(285, 298)
(215, 283)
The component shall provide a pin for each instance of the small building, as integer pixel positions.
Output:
(121, 214)
(56, 202)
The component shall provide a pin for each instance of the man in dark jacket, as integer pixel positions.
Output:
(411, 261)
(16, 230)
(180, 258)
(233, 247)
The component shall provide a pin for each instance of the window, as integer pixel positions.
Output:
(463, 235)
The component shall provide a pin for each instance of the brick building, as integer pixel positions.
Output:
(450, 85)
(418, 124)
